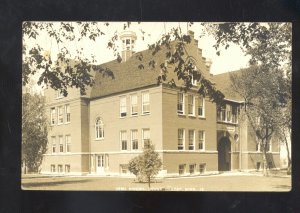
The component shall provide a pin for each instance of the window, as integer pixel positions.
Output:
(234, 114)
(61, 144)
(53, 140)
(146, 138)
(202, 168)
(60, 168)
(201, 140)
(123, 168)
(269, 146)
(181, 169)
(68, 114)
(67, 168)
(180, 103)
(123, 108)
(53, 116)
(123, 138)
(60, 115)
(201, 102)
(191, 105)
(229, 110)
(180, 139)
(221, 113)
(145, 103)
(134, 106)
(52, 168)
(99, 129)
(68, 143)
(134, 140)
(191, 139)
(258, 147)
(192, 168)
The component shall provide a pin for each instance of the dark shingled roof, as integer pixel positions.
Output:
(128, 75)
(223, 83)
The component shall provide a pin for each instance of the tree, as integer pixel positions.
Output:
(146, 165)
(34, 131)
(65, 72)
(266, 88)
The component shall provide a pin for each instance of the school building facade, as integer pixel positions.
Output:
(100, 132)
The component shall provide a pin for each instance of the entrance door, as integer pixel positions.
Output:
(100, 164)
(224, 157)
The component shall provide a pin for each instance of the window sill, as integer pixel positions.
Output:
(202, 117)
(60, 124)
(181, 115)
(191, 116)
(134, 115)
(99, 139)
(143, 114)
(67, 122)
(122, 117)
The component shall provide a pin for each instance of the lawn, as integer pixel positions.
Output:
(221, 182)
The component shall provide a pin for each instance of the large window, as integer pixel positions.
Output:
(192, 168)
(68, 113)
(53, 140)
(123, 138)
(201, 102)
(201, 142)
(68, 143)
(180, 103)
(52, 168)
(99, 129)
(269, 146)
(67, 168)
(60, 168)
(61, 143)
(146, 138)
(60, 115)
(123, 108)
(202, 168)
(191, 139)
(58, 94)
(229, 113)
(145, 103)
(134, 105)
(191, 105)
(234, 114)
(53, 116)
(180, 139)
(134, 139)
(221, 113)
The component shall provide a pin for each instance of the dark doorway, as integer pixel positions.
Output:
(224, 157)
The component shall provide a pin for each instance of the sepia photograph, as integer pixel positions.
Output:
(156, 106)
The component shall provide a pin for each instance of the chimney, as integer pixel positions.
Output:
(128, 42)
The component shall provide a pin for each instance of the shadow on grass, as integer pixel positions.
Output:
(50, 184)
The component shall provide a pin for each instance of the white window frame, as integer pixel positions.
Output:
(229, 113)
(270, 145)
(61, 143)
(180, 147)
(68, 143)
(60, 168)
(145, 138)
(134, 141)
(53, 141)
(99, 129)
(53, 116)
(191, 145)
(180, 102)
(60, 115)
(123, 106)
(236, 114)
(123, 133)
(183, 169)
(194, 168)
(191, 106)
(201, 141)
(68, 113)
(145, 102)
(203, 165)
(67, 168)
(58, 94)
(201, 98)
(134, 104)
(52, 168)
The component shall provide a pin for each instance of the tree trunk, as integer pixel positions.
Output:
(265, 172)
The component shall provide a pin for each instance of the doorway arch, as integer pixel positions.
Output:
(224, 157)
